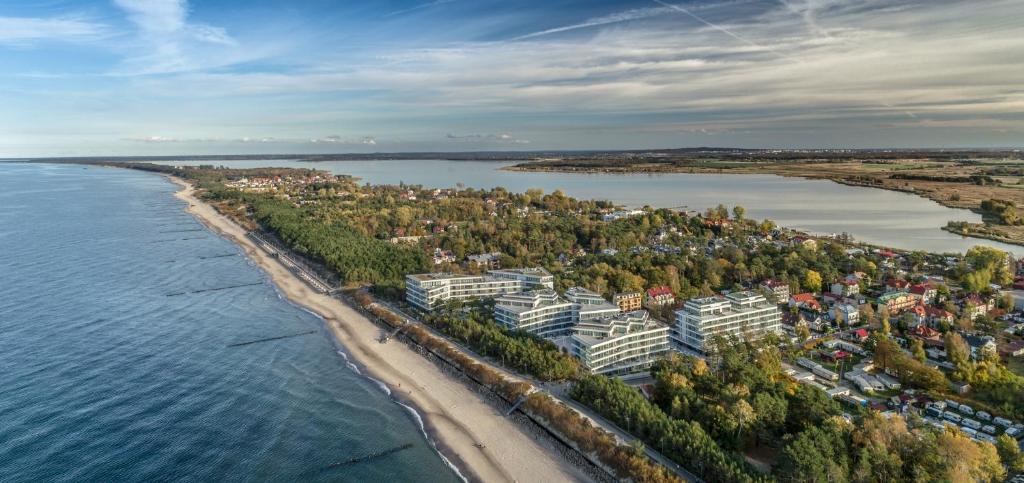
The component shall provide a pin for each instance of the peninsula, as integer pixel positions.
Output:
(652, 344)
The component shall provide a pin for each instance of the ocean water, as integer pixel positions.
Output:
(107, 374)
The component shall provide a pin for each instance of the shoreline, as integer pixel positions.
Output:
(453, 417)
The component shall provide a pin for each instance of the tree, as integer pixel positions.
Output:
(1009, 453)
(812, 281)
(814, 455)
(958, 352)
(917, 348)
(738, 212)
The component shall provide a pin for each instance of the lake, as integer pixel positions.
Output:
(880, 217)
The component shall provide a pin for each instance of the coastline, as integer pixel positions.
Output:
(455, 418)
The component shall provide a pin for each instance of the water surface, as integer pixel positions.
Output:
(105, 377)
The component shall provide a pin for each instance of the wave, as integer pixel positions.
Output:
(415, 414)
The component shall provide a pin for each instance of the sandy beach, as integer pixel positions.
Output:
(457, 418)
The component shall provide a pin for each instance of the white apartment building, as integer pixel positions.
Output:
(541, 312)
(590, 305)
(623, 344)
(428, 290)
(544, 313)
(535, 277)
(737, 314)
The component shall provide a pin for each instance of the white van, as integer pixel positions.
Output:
(968, 431)
(1006, 423)
(971, 423)
(950, 416)
(966, 410)
(982, 415)
(952, 404)
(988, 428)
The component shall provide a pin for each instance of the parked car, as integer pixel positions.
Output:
(1006, 423)
(966, 410)
(988, 428)
(971, 423)
(982, 415)
(951, 416)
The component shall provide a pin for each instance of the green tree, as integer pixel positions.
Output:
(812, 281)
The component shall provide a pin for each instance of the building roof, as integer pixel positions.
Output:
(658, 291)
(772, 283)
(861, 333)
(921, 288)
(897, 283)
(803, 297)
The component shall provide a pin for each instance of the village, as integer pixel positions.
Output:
(927, 336)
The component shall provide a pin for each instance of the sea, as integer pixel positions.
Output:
(120, 316)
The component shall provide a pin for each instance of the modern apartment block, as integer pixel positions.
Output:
(541, 312)
(428, 290)
(623, 344)
(590, 305)
(739, 314)
(544, 313)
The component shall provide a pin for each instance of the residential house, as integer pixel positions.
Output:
(847, 314)
(981, 345)
(811, 320)
(776, 289)
(1012, 349)
(859, 335)
(443, 256)
(930, 337)
(485, 260)
(975, 306)
(935, 316)
(660, 297)
(845, 288)
(628, 301)
(896, 302)
(896, 285)
(804, 301)
(808, 243)
(926, 291)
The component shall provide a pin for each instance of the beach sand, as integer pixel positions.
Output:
(456, 417)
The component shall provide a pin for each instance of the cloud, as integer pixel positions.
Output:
(417, 7)
(628, 15)
(26, 30)
(169, 42)
(367, 140)
(493, 138)
(340, 140)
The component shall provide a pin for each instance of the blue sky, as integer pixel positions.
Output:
(127, 77)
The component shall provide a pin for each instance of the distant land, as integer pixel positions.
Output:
(602, 159)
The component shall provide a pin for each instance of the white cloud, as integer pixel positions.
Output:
(340, 140)
(160, 16)
(169, 42)
(367, 140)
(26, 30)
(491, 138)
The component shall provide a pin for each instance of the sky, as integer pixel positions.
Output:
(165, 77)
